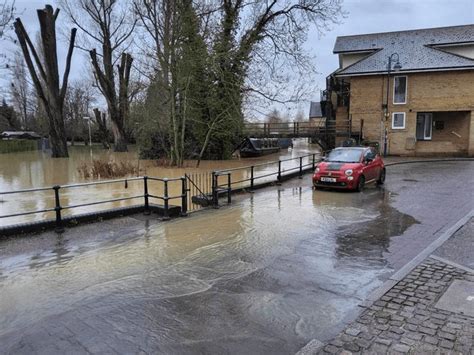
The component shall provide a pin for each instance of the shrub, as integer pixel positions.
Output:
(100, 169)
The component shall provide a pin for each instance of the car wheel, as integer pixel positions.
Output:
(381, 179)
(360, 183)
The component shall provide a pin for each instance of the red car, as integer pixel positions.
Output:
(350, 168)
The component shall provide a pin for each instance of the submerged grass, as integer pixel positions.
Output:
(106, 169)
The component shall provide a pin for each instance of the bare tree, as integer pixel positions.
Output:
(78, 102)
(23, 98)
(45, 75)
(109, 24)
(7, 13)
(259, 47)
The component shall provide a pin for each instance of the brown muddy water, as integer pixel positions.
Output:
(36, 169)
(264, 275)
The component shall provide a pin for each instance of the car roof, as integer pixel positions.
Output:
(354, 148)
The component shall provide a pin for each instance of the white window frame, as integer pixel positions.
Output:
(404, 120)
(406, 89)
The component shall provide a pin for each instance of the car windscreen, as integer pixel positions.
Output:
(344, 155)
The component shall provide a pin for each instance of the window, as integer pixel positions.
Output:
(424, 126)
(370, 154)
(398, 120)
(400, 90)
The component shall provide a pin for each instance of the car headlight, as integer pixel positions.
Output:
(317, 170)
(349, 172)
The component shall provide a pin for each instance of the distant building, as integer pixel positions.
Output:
(20, 135)
(410, 91)
(315, 110)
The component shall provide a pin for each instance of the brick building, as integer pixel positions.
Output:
(411, 91)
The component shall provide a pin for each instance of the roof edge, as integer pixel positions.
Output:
(412, 30)
(385, 72)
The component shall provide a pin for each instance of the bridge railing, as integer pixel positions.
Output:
(306, 128)
(58, 208)
(225, 182)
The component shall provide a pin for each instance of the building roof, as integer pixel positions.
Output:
(418, 50)
(315, 110)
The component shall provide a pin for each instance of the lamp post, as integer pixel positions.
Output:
(89, 125)
(394, 57)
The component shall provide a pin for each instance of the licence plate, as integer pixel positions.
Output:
(328, 179)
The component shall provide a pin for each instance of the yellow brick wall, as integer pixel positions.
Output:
(427, 92)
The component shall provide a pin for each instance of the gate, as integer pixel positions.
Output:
(199, 190)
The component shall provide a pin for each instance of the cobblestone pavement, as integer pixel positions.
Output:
(405, 319)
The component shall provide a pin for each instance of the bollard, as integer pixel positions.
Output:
(301, 168)
(184, 197)
(251, 177)
(314, 162)
(279, 171)
(145, 195)
(215, 197)
(166, 214)
(59, 224)
(229, 188)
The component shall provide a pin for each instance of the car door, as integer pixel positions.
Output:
(371, 166)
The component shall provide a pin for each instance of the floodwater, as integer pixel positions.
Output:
(36, 169)
(264, 275)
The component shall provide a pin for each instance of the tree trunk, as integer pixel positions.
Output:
(120, 142)
(102, 123)
(45, 75)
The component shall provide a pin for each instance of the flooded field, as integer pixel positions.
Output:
(264, 275)
(36, 169)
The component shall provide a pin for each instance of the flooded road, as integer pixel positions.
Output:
(36, 169)
(264, 275)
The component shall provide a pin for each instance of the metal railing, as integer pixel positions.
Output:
(297, 129)
(226, 188)
(188, 184)
(58, 207)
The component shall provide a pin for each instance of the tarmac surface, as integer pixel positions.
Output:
(273, 271)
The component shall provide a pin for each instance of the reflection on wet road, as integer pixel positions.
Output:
(265, 275)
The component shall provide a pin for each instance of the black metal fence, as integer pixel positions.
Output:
(58, 208)
(194, 191)
(249, 177)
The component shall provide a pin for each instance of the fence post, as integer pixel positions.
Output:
(215, 196)
(251, 177)
(145, 188)
(184, 197)
(229, 188)
(314, 161)
(166, 214)
(59, 224)
(279, 171)
(301, 168)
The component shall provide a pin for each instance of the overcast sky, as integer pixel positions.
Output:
(362, 16)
